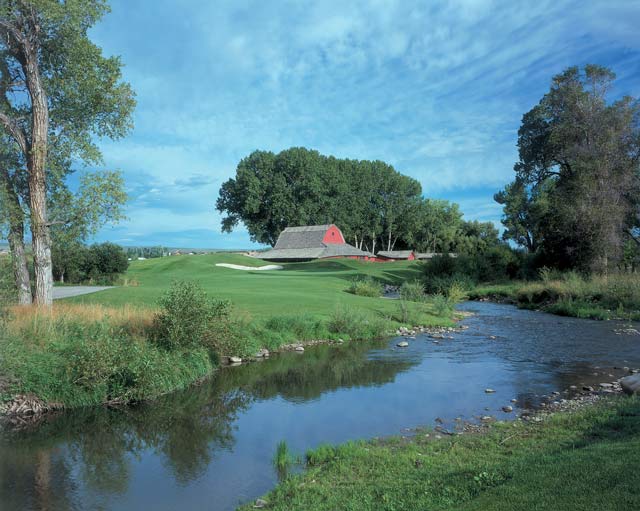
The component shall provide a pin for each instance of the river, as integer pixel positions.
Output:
(211, 446)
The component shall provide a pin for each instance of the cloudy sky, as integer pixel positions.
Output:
(437, 89)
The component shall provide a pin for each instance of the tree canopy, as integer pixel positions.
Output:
(375, 206)
(575, 199)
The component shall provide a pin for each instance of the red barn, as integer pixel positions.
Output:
(309, 242)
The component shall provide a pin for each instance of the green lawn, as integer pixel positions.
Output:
(584, 460)
(314, 287)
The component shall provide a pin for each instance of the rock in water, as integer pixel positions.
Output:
(402, 344)
(631, 384)
(507, 409)
(235, 360)
(299, 348)
(489, 391)
(260, 503)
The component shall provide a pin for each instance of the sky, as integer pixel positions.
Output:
(435, 88)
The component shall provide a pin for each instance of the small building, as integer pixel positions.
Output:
(431, 255)
(309, 242)
(396, 255)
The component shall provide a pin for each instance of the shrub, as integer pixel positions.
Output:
(187, 314)
(366, 286)
(412, 291)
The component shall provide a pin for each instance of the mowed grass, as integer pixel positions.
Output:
(314, 287)
(583, 460)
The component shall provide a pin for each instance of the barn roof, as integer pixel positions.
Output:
(305, 242)
(396, 254)
(307, 236)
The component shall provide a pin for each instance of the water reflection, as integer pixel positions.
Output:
(39, 467)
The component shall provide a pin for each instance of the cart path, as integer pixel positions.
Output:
(69, 291)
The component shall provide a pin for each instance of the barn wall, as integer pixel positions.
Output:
(333, 236)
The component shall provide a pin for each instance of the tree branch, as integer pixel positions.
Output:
(16, 131)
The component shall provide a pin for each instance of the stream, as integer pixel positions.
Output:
(211, 446)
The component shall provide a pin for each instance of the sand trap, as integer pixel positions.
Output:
(250, 268)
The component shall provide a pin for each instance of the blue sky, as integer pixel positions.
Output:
(437, 89)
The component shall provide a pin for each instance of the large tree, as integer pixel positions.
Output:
(57, 91)
(585, 151)
(370, 200)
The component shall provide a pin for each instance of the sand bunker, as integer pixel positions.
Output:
(250, 268)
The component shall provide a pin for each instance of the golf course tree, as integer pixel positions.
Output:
(369, 200)
(576, 193)
(57, 93)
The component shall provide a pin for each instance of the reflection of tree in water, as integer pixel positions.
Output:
(321, 369)
(185, 429)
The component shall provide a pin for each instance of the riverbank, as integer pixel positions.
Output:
(582, 458)
(101, 348)
(597, 297)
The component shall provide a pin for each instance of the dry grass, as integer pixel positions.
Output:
(39, 323)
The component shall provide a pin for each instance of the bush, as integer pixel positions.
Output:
(188, 317)
(366, 286)
(412, 291)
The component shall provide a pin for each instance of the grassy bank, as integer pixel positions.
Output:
(582, 460)
(595, 297)
(106, 347)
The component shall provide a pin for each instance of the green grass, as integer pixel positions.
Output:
(301, 288)
(573, 461)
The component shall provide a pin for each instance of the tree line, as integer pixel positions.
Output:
(57, 94)
(375, 206)
(575, 199)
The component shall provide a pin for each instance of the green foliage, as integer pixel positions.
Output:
(88, 363)
(283, 460)
(357, 324)
(514, 465)
(98, 264)
(7, 289)
(365, 286)
(495, 264)
(187, 315)
(412, 291)
(574, 140)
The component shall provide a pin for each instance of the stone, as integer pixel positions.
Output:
(514, 400)
(587, 388)
(631, 384)
(486, 418)
(235, 360)
(402, 344)
(489, 391)
(507, 409)
(606, 385)
(260, 503)
(299, 349)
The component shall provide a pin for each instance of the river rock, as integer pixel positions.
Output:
(631, 384)
(235, 360)
(489, 391)
(300, 349)
(606, 385)
(402, 344)
(260, 503)
(507, 409)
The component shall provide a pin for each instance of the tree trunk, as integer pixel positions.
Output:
(19, 261)
(16, 242)
(36, 164)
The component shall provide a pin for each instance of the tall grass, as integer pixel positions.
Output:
(573, 294)
(365, 286)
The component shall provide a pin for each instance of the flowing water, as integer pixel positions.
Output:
(211, 447)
